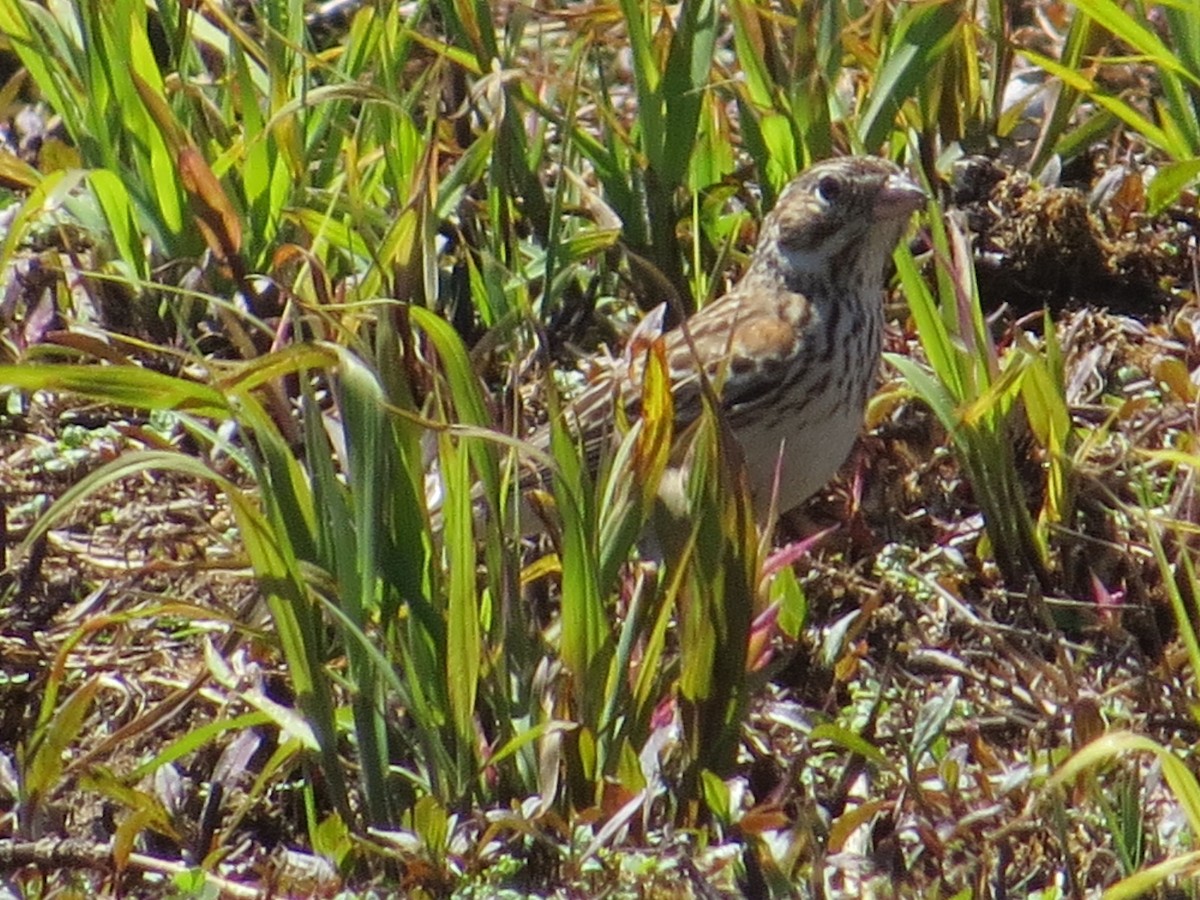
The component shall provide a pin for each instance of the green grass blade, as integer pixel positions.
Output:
(923, 34)
(1129, 30)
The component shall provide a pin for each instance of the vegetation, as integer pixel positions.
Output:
(265, 271)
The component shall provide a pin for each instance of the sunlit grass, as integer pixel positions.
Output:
(392, 234)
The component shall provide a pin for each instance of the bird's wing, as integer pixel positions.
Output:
(745, 347)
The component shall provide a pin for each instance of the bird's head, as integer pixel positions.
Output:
(835, 214)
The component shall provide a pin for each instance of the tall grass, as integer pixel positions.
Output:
(398, 221)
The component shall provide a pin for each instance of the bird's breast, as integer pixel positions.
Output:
(810, 429)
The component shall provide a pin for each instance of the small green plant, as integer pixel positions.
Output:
(974, 392)
(1172, 122)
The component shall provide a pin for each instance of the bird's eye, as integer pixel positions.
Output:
(829, 188)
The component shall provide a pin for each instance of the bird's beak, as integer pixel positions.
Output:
(899, 197)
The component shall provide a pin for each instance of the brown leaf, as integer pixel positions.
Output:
(215, 215)
(762, 819)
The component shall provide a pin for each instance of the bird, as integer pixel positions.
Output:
(792, 350)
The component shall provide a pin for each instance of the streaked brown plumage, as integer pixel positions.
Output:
(794, 348)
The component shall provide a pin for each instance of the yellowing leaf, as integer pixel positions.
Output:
(218, 220)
